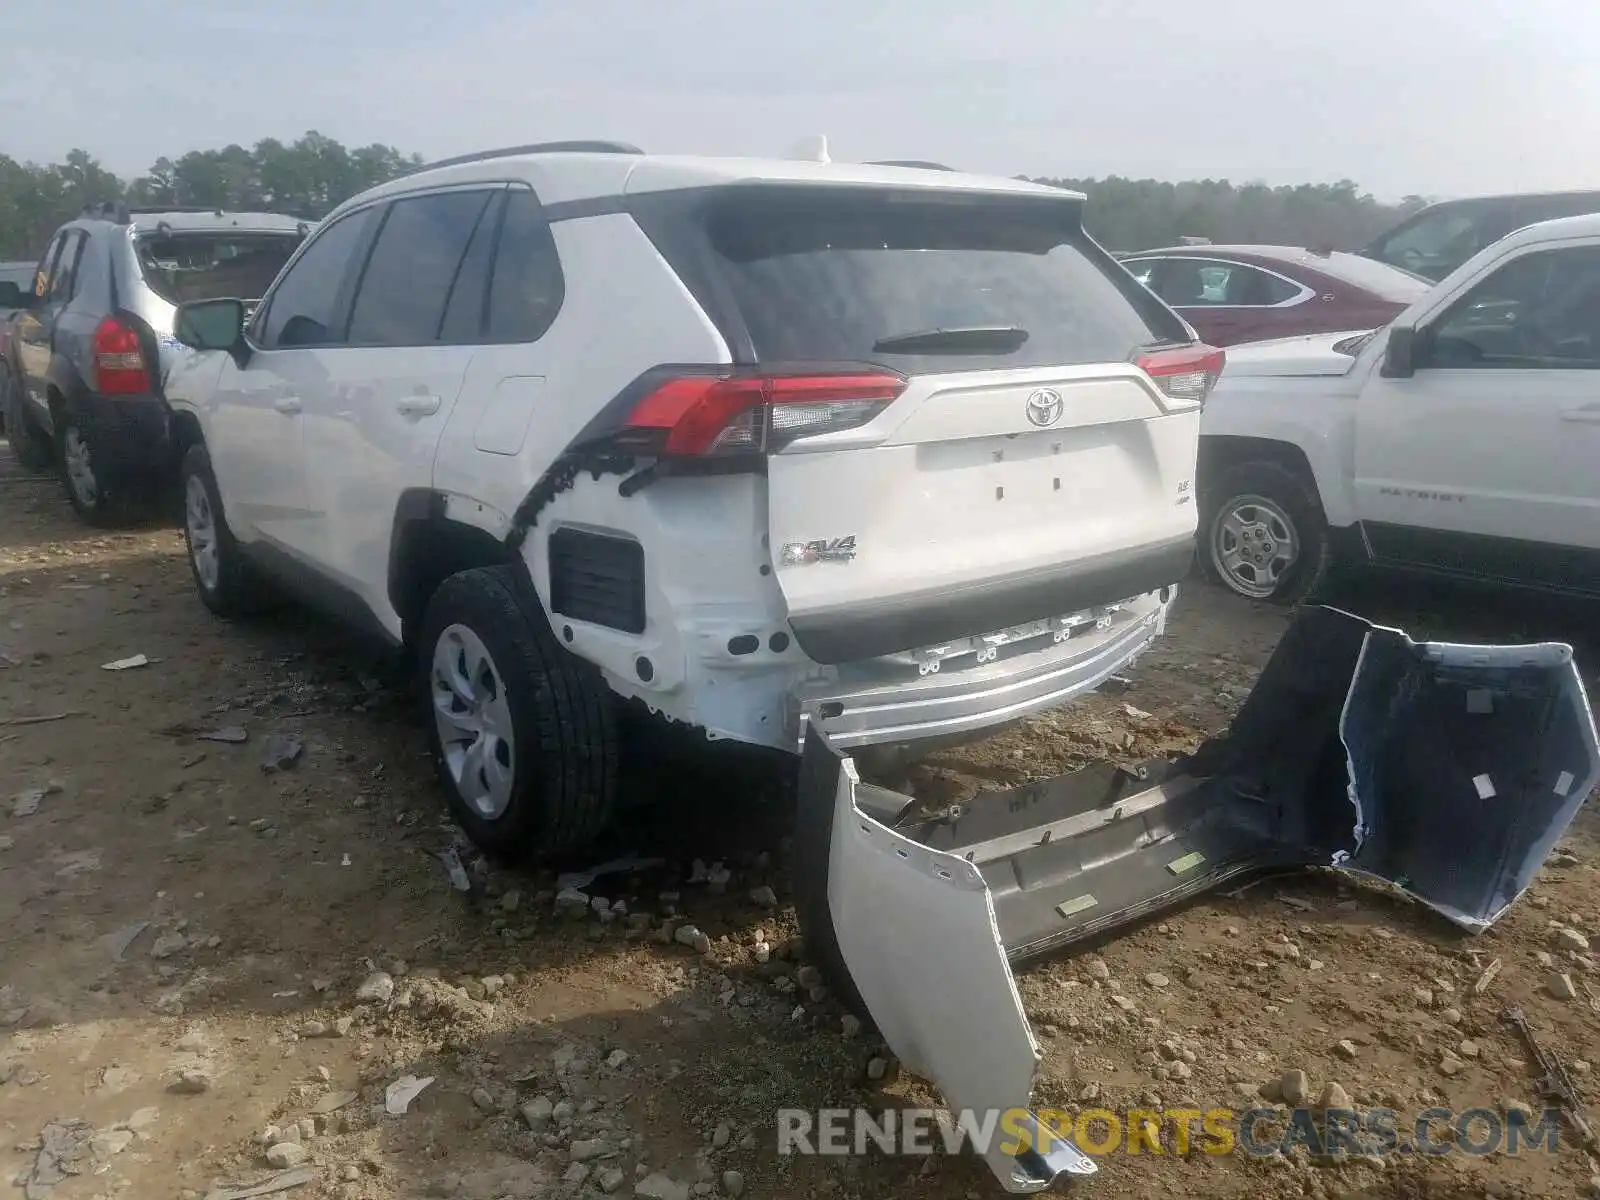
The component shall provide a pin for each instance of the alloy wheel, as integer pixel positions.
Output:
(474, 721)
(80, 467)
(200, 524)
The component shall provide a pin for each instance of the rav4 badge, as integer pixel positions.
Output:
(798, 554)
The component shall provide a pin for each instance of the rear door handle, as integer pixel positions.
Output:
(1588, 414)
(287, 405)
(422, 404)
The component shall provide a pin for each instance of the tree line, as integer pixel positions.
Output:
(303, 178)
(310, 175)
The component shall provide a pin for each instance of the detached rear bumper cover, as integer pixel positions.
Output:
(1448, 770)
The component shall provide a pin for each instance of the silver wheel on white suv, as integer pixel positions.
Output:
(200, 529)
(473, 721)
(222, 577)
(523, 733)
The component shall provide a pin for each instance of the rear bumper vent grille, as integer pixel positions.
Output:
(597, 578)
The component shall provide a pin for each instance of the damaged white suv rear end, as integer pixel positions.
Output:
(925, 466)
(839, 461)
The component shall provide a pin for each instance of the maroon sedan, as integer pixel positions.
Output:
(1233, 294)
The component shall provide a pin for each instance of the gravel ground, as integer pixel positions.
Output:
(212, 974)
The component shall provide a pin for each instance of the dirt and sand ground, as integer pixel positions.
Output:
(199, 958)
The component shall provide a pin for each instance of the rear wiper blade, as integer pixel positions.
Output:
(961, 339)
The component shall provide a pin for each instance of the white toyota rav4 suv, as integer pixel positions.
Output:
(894, 451)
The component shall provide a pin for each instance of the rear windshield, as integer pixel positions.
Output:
(819, 275)
(1380, 278)
(181, 267)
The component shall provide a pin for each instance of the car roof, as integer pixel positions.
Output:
(568, 175)
(1557, 229)
(1502, 197)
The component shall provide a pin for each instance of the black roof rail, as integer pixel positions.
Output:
(917, 163)
(578, 147)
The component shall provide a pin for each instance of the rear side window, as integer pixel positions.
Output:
(65, 280)
(1436, 241)
(180, 267)
(526, 290)
(840, 275)
(414, 263)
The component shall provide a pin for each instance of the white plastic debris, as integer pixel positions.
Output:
(231, 735)
(125, 664)
(397, 1097)
(1485, 787)
(582, 879)
(452, 865)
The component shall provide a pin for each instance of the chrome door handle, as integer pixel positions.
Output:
(418, 405)
(287, 405)
(1587, 414)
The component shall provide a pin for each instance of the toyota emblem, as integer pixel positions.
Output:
(1045, 407)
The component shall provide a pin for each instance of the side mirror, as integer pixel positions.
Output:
(210, 324)
(1399, 355)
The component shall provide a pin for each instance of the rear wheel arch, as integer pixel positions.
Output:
(426, 547)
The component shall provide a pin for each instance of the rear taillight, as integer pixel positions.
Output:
(1187, 373)
(119, 366)
(705, 415)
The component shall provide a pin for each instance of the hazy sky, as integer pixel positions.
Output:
(1438, 97)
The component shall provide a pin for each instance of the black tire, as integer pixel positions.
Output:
(28, 446)
(236, 589)
(95, 499)
(1294, 502)
(564, 730)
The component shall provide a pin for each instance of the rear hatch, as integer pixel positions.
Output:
(179, 266)
(972, 418)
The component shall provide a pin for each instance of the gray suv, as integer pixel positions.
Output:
(82, 363)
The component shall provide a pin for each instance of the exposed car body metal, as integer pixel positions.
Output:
(1447, 770)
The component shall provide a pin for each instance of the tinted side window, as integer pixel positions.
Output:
(1538, 311)
(407, 282)
(64, 282)
(1436, 243)
(463, 315)
(1190, 282)
(1257, 289)
(526, 289)
(306, 306)
(1144, 270)
(41, 280)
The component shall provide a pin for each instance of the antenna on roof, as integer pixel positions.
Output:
(811, 149)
